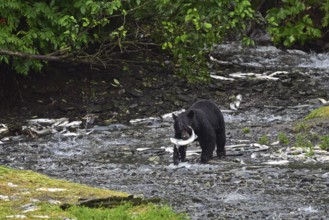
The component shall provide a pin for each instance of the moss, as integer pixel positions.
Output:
(19, 188)
(320, 112)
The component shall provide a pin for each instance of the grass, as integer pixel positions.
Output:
(320, 112)
(126, 212)
(303, 141)
(22, 187)
(246, 130)
(283, 139)
(264, 140)
(324, 144)
(301, 127)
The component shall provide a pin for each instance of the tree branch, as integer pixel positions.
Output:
(34, 56)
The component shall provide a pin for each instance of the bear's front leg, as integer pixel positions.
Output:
(179, 154)
(176, 156)
(182, 153)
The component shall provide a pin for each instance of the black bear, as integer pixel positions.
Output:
(207, 121)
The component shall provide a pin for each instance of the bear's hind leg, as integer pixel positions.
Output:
(207, 151)
(220, 142)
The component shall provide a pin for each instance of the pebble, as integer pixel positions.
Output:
(51, 189)
(54, 202)
(325, 175)
(29, 208)
(12, 185)
(154, 159)
(16, 216)
(4, 198)
(41, 216)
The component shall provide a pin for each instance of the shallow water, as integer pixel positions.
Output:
(257, 184)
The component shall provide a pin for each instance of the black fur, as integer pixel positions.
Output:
(208, 124)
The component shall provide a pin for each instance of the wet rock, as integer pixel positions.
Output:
(29, 208)
(135, 105)
(112, 202)
(310, 179)
(136, 93)
(154, 159)
(325, 175)
(249, 183)
(185, 98)
(3, 129)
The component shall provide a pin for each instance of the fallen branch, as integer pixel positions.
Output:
(106, 55)
(34, 56)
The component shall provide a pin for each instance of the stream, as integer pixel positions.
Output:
(255, 181)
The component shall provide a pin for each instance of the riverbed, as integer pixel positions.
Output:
(262, 91)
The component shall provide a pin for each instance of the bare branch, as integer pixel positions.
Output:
(34, 56)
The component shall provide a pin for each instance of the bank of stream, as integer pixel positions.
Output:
(262, 91)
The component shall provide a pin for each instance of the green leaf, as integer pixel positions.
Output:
(83, 9)
(52, 2)
(207, 25)
(85, 22)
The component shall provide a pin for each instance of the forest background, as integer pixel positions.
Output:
(179, 35)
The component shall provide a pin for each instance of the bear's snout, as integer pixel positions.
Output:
(185, 135)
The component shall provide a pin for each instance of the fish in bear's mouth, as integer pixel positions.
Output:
(182, 142)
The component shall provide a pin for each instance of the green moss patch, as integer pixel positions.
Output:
(36, 196)
(320, 112)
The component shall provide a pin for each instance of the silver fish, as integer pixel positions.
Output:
(182, 142)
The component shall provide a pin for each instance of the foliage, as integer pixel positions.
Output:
(320, 112)
(60, 28)
(246, 130)
(324, 144)
(263, 140)
(303, 141)
(296, 21)
(301, 127)
(98, 32)
(190, 29)
(283, 139)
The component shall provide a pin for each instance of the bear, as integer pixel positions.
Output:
(207, 121)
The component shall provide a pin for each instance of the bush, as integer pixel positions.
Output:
(297, 21)
(114, 32)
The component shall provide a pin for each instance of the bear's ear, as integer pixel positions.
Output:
(190, 114)
(174, 116)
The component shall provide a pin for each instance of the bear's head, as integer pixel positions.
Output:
(182, 125)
